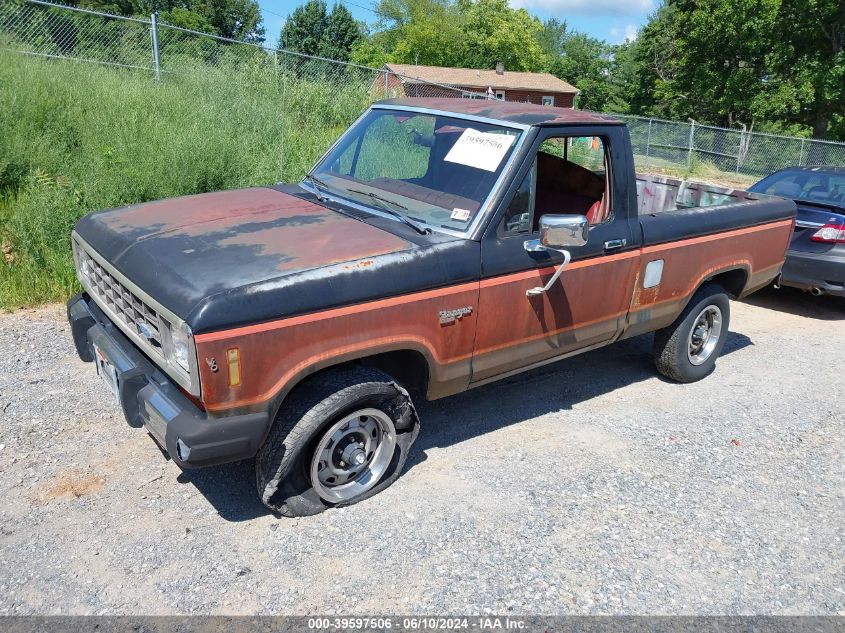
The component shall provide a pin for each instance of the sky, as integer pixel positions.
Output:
(610, 20)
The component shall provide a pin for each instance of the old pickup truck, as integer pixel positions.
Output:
(439, 245)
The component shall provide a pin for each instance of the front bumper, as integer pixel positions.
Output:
(151, 400)
(825, 271)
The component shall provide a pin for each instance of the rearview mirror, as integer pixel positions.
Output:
(562, 231)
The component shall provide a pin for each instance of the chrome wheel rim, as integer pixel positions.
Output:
(704, 335)
(352, 455)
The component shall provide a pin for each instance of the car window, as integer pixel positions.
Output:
(432, 168)
(816, 186)
(517, 218)
(389, 149)
(586, 151)
(569, 176)
(573, 178)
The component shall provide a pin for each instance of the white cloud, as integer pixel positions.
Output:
(594, 7)
(619, 35)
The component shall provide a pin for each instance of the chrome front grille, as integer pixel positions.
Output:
(132, 312)
(157, 331)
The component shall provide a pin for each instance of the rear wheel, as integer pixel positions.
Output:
(687, 350)
(341, 437)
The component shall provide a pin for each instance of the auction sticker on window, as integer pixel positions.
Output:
(482, 150)
(460, 214)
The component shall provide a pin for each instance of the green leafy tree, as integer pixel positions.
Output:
(494, 32)
(464, 33)
(305, 28)
(654, 66)
(585, 62)
(552, 36)
(778, 65)
(341, 34)
(235, 19)
(808, 64)
(424, 32)
(312, 30)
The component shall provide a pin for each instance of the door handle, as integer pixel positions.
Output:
(612, 245)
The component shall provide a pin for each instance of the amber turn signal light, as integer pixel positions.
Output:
(233, 358)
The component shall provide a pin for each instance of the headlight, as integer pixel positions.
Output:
(180, 346)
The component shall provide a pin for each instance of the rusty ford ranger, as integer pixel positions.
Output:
(440, 244)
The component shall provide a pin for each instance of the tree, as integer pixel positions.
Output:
(552, 36)
(235, 19)
(464, 33)
(808, 64)
(771, 63)
(312, 30)
(493, 32)
(341, 35)
(585, 62)
(305, 28)
(424, 32)
(652, 62)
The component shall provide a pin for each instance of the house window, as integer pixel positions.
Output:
(472, 95)
(500, 95)
(548, 100)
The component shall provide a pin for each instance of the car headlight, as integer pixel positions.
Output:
(181, 345)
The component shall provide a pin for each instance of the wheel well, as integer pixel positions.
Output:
(408, 367)
(733, 281)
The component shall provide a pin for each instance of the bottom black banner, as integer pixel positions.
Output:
(336, 624)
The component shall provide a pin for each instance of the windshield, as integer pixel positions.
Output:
(811, 185)
(430, 168)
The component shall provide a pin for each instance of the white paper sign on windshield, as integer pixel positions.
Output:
(482, 150)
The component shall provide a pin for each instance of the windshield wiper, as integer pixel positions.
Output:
(383, 205)
(318, 185)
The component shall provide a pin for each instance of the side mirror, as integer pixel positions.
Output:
(556, 233)
(561, 231)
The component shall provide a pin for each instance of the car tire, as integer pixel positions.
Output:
(687, 350)
(356, 414)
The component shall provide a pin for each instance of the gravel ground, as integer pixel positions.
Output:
(590, 486)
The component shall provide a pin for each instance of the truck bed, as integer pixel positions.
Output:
(658, 194)
(672, 209)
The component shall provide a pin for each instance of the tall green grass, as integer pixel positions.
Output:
(77, 137)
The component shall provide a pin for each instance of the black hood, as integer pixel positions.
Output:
(230, 258)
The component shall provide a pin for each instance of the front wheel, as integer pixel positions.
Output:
(687, 350)
(341, 437)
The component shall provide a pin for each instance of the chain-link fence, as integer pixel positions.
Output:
(658, 143)
(45, 29)
(319, 97)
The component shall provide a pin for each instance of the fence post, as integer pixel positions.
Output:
(385, 83)
(691, 143)
(801, 154)
(154, 34)
(648, 138)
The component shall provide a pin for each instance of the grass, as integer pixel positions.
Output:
(78, 137)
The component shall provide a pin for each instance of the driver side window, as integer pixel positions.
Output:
(570, 175)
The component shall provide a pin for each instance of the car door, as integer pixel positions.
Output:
(588, 304)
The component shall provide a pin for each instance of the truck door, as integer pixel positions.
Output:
(569, 171)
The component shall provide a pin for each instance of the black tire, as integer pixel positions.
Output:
(283, 462)
(672, 353)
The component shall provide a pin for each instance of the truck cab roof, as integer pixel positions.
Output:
(524, 114)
